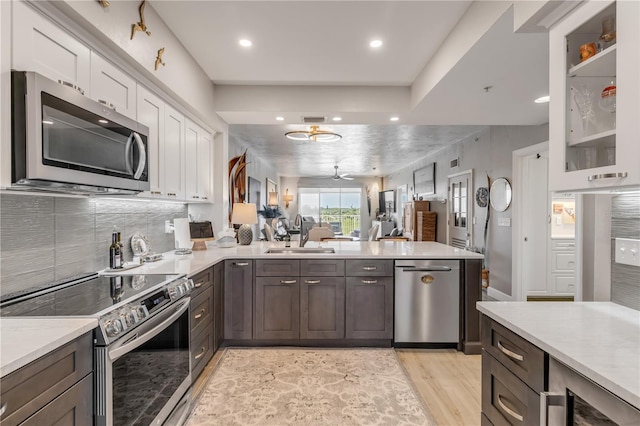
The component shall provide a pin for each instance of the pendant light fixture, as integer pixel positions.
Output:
(314, 135)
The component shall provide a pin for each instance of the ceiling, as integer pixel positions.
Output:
(312, 58)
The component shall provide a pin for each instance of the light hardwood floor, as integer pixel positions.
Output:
(447, 380)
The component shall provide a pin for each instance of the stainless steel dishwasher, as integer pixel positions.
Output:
(427, 303)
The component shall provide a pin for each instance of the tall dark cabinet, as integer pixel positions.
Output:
(238, 299)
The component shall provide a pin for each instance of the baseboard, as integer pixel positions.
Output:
(498, 295)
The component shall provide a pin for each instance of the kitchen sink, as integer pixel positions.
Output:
(300, 250)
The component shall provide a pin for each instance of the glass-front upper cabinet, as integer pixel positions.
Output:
(594, 85)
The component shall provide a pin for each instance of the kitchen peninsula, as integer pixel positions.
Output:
(200, 261)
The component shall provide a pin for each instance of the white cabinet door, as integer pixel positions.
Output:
(204, 166)
(198, 163)
(591, 146)
(151, 113)
(174, 154)
(40, 45)
(112, 87)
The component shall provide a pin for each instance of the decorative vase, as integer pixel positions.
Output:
(245, 234)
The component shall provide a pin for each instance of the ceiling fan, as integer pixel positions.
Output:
(336, 176)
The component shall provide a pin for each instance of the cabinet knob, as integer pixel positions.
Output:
(526, 239)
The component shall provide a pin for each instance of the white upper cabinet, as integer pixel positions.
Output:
(42, 46)
(594, 113)
(198, 163)
(150, 112)
(174, 155)
(112, 87)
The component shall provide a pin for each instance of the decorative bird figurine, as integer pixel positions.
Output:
(104, 3)
(159, 59)
(140, 26)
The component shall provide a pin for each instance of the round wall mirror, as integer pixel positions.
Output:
(500, 194)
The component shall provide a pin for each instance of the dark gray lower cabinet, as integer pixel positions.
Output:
(514, 372)
(56, 389)
(73, 408)
(238, 299)
(218, 305)
(277, 310)
(322, 307)
(369, 308)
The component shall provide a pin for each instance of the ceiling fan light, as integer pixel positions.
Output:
(315, 134)
(298, 135)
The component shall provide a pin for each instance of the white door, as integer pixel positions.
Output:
(535, 208)
(460, 213)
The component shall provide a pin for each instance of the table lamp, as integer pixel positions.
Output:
(245, 215)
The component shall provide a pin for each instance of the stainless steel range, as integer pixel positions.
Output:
(141, 355)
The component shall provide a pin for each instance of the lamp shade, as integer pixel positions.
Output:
(244, 213)
(273, 199)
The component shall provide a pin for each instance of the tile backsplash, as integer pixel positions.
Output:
(625, 223)
(44, 238)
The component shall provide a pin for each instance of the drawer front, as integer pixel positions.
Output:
(564, 283)
(201, 312)
(277, 267)
(368, 268)
(506, 400)
(525, 360)
(73, 407)
(564, 262)
(30, 388)
(322, 267)
(201, 352)
(202, 281)
(563, 245)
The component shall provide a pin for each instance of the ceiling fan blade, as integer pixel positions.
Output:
(346, 178)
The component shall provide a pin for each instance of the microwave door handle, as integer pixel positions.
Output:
(127, 153)
(143, 156)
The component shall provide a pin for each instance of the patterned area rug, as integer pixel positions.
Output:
(300, 386)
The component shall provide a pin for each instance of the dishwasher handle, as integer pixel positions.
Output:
(426, 269)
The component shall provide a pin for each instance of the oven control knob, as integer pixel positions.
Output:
(113, 327)
(129, 316)
(142, 312)
(189, 284)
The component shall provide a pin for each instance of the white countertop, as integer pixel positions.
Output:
(600, 340)
(26, 339)
(200, 260)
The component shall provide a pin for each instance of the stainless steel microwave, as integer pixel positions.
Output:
(64, 141)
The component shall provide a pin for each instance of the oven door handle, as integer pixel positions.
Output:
(165, 318)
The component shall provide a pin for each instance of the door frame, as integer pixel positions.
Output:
(518, 180)
(470, 203)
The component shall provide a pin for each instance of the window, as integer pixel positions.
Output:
(338, 206)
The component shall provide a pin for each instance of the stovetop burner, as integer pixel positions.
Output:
(87, 297)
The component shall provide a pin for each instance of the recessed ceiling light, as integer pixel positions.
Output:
(542, 99)
(103, 121)
(375, 43)
(280, 118)
(245, 43)
(337, 118)
(394, 118)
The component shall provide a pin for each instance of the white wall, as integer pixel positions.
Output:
(489, 152)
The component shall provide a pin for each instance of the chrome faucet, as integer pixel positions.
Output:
(304, 239)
